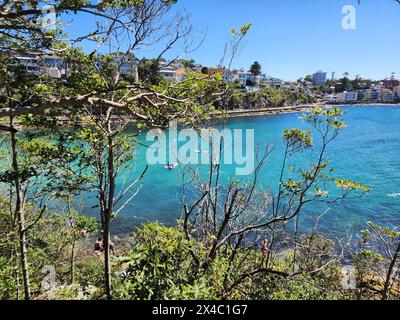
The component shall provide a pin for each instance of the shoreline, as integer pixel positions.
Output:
(247, 113)
(242, 113)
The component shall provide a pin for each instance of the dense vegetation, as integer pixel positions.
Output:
(268, 98)
(228, 242)
(236, 246)
(158, 265)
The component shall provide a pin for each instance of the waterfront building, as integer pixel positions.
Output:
(243, 77)
(350, 96)
(397, 91)
(267, 79)
(173, 71)
(372, 95)
(378, 87)
(343, 97)
(319, 78)
(37, 64)
(331, 98)
(361, 94)
(271, 82)
(388, 96)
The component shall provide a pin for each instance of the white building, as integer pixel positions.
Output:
(369, 95)
(37, 64)
(350, 96)
(343, 97)
(168, 73)
(244, 77)
(378, 88)
(173, 72)
(340, 97)
(397, 91)
(388, 96)
(331, 98)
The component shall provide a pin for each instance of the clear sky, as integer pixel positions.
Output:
(292, 38)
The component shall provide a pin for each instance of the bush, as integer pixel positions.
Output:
(160, 267)
(267, 98)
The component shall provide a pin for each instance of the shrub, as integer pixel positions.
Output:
(160, 267)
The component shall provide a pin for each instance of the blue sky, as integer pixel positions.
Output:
(292, 38)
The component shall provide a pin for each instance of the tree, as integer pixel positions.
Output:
(95, 87)
(98, 99)
(250, 83)
(39, 172)
(78, 227)
(232, 49)
(255, 70)
(377, 260)
(344, 84)
(187, 63)
(308, 78)
(205, 70)
(233, 218)
(149, 71)
(356, 82)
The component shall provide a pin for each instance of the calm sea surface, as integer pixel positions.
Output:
(368, 151)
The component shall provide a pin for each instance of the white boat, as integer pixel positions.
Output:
(171, 166)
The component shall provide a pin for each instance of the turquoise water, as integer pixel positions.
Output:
(368, 151)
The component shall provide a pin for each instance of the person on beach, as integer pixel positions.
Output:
(99, 246)
(264, 248)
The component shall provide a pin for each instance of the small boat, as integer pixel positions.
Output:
(171, 166)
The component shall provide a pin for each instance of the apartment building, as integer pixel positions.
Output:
(37, 64)
(388, 96)
(319, 78)
(397, 91)
(168, 73)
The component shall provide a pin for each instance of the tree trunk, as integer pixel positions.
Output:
(276, 209)
(19, 210)
(386, 288)
(16, 268)
(72, 263)
(107, 266)
(295, 242)
(107, 217)
(15, 248)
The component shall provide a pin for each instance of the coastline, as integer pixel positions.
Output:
(241, 113)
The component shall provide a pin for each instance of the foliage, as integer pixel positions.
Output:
(159, 267)
(267, 98)
(255, 69)
(149, 71)
(49, 245)
(376, 260)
